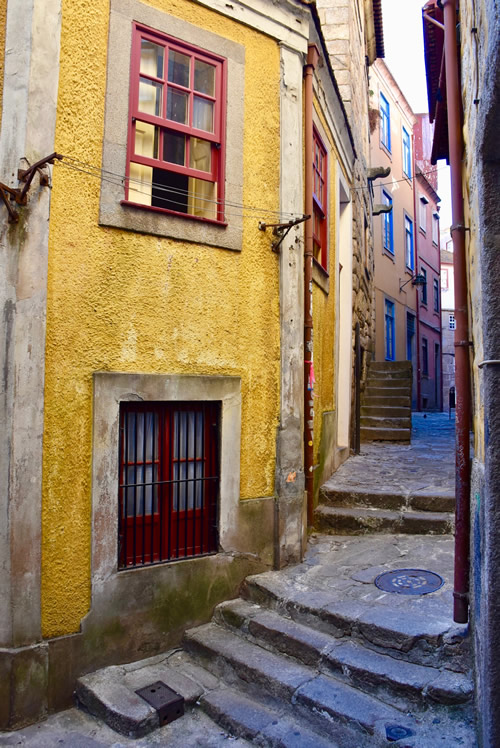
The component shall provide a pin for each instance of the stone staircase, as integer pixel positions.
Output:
(386, 402)
(290, 666)
(343, 510)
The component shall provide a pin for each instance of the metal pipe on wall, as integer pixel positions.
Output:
(312, 61)
(462, 342)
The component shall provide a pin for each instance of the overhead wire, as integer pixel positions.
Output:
(120, 181)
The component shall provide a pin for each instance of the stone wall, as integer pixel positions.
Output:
(343, 23)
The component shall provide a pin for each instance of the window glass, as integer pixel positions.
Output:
(146, 140)
(150, 97)
(178, 68)
(177, 106)
(174, 147)
(151, 59)
(204, 78)
(140, 185)
(200, 155)
(203, 114)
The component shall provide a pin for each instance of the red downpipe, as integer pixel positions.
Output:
(312, 61)
(415, 272)
(462, 343)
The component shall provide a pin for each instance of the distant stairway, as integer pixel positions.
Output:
(386, 404)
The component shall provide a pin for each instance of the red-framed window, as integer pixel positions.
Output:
(320, 196)
(176, 132)
(168, 482)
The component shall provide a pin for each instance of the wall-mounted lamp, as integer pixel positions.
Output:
(415, 280)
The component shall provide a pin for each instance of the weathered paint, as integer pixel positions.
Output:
(3, 21)
(119, 301)
(324, 314)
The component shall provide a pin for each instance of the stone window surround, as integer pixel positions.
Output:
(111, 211)
(111, 388)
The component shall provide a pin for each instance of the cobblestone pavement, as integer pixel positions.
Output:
(342, 565)
(426, 465)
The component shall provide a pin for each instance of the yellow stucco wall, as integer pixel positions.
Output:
(120, 301)
(324, 308)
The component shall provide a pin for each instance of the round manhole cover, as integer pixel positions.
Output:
(409, 581)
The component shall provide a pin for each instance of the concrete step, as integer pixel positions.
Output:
(345, 496)
(381, 390)
(110, 693)
(248, 718)
(359, 520)
(332, 707)
(377, 422)
(390, 366)
(386, 411)
(420, 639)
(370, 671)
(378, 433)
(387, 400)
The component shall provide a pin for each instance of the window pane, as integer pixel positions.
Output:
(151, 59)
(146, 140)
(203, 114)
(140, 185)
(174, 148)
(200, 156)
(150, 97)
(204, 77)
(177, 106)
(178, 68)
(202, 198)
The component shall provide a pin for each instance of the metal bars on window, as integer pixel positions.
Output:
(168, 482)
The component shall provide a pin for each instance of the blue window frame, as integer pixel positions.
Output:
(385, 122)
(406, 153)
(388, 225)
(409, 254)
(389, 331)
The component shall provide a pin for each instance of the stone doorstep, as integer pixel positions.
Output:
(356, 665)
(372, 434)
(420, 639)
(353, 521)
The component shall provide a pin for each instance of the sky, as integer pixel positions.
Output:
(404, 55)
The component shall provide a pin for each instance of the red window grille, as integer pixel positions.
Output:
(320, 245)
(176, 132)
(169, 481)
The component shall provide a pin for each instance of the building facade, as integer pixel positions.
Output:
(427, 233)
(448, 326)
(158, 390)
(394, 232)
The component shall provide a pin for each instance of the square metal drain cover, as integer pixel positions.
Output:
(167, 702)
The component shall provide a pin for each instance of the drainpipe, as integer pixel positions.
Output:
(462, 343)
(312, 61)
(415, 272)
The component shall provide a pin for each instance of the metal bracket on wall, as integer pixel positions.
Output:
(20, 196)
(280, 230)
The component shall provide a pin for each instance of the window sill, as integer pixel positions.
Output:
(178, 214)
(387, 253)
(386, 150)
(320, 276)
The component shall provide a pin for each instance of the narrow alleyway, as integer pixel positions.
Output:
(316, 655)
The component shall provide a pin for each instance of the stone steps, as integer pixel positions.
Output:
(355, 665)
(295, 667)
(402, 401)
(420, 639)
(334, 495)
(357, 520)
(386, 411)
(383, 422)
(323, 702)
(377, 433)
